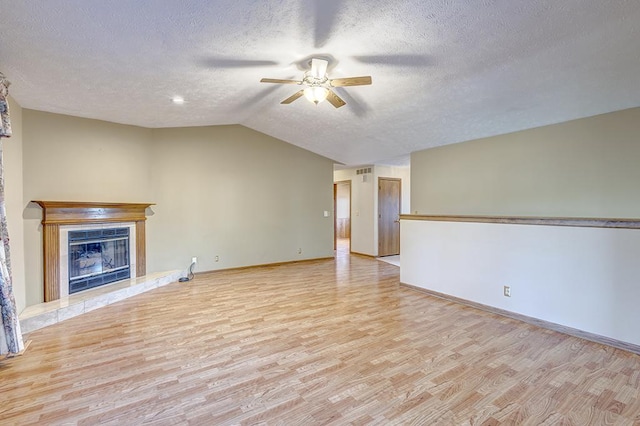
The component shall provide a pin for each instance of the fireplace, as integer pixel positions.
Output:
(84, 244)
(97, 257)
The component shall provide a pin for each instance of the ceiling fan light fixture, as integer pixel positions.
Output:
(316, 94)
(317, 85)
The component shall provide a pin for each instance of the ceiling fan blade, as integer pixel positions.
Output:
(351, 81)
(318, 67)
(279, 81)
(395, 60)
(335, 100)
(223, 62)
(293, 97)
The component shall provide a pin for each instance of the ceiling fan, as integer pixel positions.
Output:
(319, 85)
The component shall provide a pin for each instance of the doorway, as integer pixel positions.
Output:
(389, 202)
(342, 215)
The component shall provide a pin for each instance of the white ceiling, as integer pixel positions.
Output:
(444, 71)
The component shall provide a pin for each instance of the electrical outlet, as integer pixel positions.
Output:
(217, 258)
(507, 291)
(194, 259)
(300, 251)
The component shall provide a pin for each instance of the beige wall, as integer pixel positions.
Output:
(343, 200)
(586, 167)
(77, 159)
(232, 192)
(12, 163)
(219, 191)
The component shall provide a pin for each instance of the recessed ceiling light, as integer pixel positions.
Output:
(178, 100)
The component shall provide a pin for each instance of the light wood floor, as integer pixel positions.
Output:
(323, 342)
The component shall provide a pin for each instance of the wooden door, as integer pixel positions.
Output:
(388, 216)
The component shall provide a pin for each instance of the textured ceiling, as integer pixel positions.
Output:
(444, 71)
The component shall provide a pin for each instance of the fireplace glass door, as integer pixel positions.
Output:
(98, 257)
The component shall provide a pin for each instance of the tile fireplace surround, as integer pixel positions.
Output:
(64, 283)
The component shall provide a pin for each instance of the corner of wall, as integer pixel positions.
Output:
(13, 178)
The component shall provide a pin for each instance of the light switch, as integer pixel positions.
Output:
(326, 213)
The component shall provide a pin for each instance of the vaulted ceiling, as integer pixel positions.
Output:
(444, 71)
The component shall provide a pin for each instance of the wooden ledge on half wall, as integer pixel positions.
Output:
(586, 222)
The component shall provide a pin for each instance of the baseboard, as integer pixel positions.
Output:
(264, 265)
(533, 321)
(370, 256)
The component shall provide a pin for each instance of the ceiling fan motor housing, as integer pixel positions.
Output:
(313, 81)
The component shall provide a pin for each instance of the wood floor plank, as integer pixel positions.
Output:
(322, 342)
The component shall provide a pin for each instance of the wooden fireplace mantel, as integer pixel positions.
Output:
(56, 213)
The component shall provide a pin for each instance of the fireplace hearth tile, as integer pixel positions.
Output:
(39, 321)
(103, 300)
(73, 310)
(44, 314)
